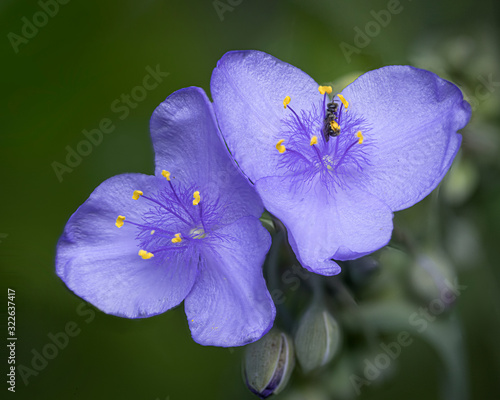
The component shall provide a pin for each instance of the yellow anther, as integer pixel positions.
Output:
(197, 198)
(177, 238)
(286, 101)
(360, 136)
(119, 221)
(334, 125)
(280, 147)
(152, 232)
(325, 89)
(137, 194)
(166, 174)
(343, 100)
(314, 140)
(145, 255)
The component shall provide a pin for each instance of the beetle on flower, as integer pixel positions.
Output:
(142, 244)
(334, 170)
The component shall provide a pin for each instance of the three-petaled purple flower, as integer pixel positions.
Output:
(141, 244)
(334, 171)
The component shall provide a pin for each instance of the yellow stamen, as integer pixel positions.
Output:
(325, 89)
(152, 232)
(166, 174)
(286, 101)
(314, 140)
(360, 136)
(137, 194)
(334, 125)
(177, 238)
(197, 198)
(343, 100)
(119, 221)
(145, 255)
(280, 147)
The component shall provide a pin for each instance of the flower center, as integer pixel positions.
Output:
(176, 218)
(198, 233)
(327, 142)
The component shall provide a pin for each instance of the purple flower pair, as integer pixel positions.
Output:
(332, 170)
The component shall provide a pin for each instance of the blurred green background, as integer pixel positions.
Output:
(64, 78)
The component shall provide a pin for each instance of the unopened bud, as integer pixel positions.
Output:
(317, 339)
(268, 364)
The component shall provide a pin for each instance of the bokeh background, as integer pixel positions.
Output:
(64, 78)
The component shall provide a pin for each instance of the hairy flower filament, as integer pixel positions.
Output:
(332, 160)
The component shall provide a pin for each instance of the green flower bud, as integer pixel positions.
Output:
(268, 364)
(317, 339)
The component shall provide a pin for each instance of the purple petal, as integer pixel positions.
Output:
(413, 116)
(230, 304)
(187, 143)
(248, 88)
(100, 262)
(321, 225)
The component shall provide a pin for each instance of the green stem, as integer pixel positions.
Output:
(273, 274)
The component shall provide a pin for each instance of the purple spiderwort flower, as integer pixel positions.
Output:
(142, 244)
(334, 173)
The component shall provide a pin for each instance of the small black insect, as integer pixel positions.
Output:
(331, 127)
